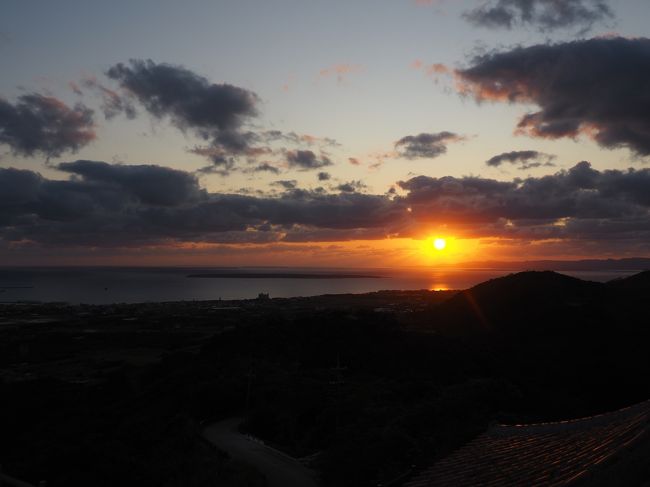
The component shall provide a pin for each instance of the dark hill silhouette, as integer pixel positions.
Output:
(628, 298)
(550, 332)
(636, 284)
(515, 303)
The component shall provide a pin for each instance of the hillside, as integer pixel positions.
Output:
(517, 303)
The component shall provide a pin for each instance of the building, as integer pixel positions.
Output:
(611, 449)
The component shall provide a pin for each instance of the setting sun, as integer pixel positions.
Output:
(436, 250)
(439, 243)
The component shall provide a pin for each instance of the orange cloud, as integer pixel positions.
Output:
(435, 70)
(340, 71)
(510, 91)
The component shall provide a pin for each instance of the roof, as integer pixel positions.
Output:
(545, 454)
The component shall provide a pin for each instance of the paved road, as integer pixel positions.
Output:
(280, 470)
(10, 481)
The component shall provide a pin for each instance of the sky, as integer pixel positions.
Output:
(316, 133)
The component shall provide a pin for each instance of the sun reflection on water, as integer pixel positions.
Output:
(439, 287)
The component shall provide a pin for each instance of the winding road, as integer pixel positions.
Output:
(279, 469)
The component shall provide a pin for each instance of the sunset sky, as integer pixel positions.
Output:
(314, 133)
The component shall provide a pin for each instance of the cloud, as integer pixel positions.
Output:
(341, 71)
(596, 87)
(354, 161)
(222, 162)
(581, 193)
(351, 186)
(525, 159)
(425, 145)
(260, 147)
(214, 112)
(221, 114)
(435, 69)
(324, 176)
(286, 183)
(113, 103)
(75, 88)
(266, 167)
(105, 205)
(18, 187)
(43, 124)
(150, 184)
(546, 15)
(306, 160)
(298, 139)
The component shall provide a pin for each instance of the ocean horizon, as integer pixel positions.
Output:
(107, 285)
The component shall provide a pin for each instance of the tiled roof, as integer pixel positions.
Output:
(546, 454)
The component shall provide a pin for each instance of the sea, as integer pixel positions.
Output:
(107, 285)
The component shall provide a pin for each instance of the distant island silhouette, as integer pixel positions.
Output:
(282, 275)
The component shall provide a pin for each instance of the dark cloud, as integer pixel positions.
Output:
(18, 187)
(298, 139)
(215, 112)
(113, 103)
(597, 87)
(581, 192)
(324, 176)
(525, 159)
(230, 149)
(306, 160)
(310, 234)
(266, 167)
(151, 185)
(286, 183)
(107, 205)
(104, 205)
(222, 162)
(42, 124)
(544, 14)
(425, 145)
(221, 114)
(351, 186)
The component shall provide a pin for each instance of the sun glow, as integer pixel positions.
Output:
(437, 249)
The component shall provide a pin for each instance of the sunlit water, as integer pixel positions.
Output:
(133, 285)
